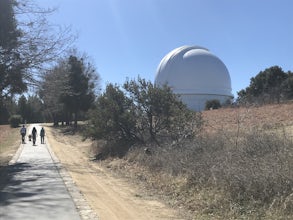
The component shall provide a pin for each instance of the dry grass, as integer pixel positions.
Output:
(239, 167)
(268, 116)
(8, 143)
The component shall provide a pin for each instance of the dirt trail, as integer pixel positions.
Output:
(110, 197)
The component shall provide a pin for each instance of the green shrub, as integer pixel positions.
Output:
(213, 104)
(141, 112)
(15, 120)
(159, 113)
(113, 118)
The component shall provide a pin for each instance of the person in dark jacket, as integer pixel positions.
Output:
(34, 134)
(42, 134)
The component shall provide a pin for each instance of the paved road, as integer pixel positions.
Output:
(35, 189)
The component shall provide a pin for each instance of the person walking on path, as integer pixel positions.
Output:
(34, 188)
(42, 134)
(23, 133)
(34, 134)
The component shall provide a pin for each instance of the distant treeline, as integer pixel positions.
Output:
(65, 94)
(272, 85)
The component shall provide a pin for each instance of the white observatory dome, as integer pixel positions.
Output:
(196, 75)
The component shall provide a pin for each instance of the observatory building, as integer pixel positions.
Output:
(196, 75)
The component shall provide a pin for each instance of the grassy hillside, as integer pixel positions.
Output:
(262, 117)
(239, 166)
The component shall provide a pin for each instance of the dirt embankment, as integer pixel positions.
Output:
(109, 196)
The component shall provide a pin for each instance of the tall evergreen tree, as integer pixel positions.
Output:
(23, 108)
(69, 89)
(35, 109)
(79, 89)
(11, 66)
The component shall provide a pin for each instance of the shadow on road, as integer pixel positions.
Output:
(30, 188)
(7, 179)
(23, 180)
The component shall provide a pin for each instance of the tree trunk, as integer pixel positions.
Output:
(75, 120)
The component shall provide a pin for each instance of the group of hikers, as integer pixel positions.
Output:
(33, 135)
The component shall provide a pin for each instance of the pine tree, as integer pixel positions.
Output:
(79, 93)
(11, 68)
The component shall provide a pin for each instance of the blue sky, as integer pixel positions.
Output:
(127, 38)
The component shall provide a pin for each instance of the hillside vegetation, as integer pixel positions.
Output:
(238, 167)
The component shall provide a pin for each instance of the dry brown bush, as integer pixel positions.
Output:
(247, 176)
